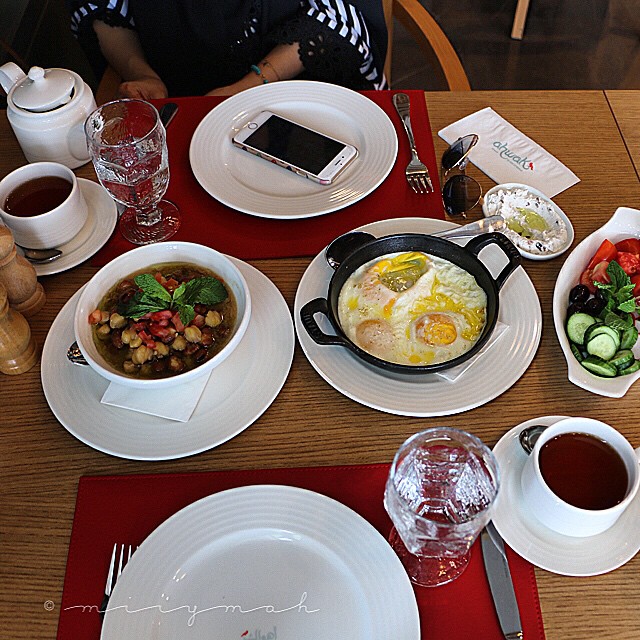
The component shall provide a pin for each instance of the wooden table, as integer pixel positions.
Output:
(312, 424)
(625, 105)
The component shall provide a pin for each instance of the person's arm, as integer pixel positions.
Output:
(122, 50)
(282, 63)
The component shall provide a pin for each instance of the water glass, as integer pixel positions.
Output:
(128, 147)
(441, 487)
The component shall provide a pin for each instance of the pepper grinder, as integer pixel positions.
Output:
(18, 351)
(17, 274)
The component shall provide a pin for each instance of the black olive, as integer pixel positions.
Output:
(576, 307)
(594, 306)
(579, 293)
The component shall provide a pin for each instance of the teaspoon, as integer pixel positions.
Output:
(41, 256)
(529, 436)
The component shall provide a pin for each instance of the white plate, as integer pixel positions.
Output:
(543, 547)
(250, 184)
(427, 395)
(237, 394)
(625, 223)
(508, 186)
(98, 228)
(249, 553)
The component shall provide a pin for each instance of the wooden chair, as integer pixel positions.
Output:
(431, 39)
(412, 15)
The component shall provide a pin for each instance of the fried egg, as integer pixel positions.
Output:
(413, 309)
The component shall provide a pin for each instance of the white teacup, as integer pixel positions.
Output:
(560, 515)
(58, 224)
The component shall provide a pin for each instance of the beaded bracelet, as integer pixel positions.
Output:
(256, 69)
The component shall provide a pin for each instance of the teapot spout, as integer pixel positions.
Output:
(10, 74)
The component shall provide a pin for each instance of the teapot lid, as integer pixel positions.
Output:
(44, 90)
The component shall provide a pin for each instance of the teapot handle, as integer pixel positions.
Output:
(10, 74)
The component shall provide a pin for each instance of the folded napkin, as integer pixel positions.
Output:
(175, 403)
(207, 221)
(505, 154)
(455, 372)
(128, 508)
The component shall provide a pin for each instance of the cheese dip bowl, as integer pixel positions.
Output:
(535, 224)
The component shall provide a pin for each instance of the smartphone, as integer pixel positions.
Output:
(308, 153)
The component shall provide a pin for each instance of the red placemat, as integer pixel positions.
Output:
(126, 509)
(207, 221)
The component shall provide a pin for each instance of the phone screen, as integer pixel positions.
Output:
(294, 144)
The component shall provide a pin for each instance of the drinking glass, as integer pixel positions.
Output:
(439, 494)
(128, 147)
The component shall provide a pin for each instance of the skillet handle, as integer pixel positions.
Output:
(307, 313)
(475, 245)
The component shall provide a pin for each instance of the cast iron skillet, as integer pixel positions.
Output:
(465, 257)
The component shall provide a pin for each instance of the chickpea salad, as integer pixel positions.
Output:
(163, 321)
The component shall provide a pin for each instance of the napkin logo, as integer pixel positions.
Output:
(520, 162)
(258, 635)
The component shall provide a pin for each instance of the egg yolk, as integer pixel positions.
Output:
(436, 329)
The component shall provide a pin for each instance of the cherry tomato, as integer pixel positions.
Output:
(629, 245)
(629, 262)
(607, 251)
(636, 281)
(598, 273)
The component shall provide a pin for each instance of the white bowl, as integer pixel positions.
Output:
(509, 186)
(138, 259)
(625, 223)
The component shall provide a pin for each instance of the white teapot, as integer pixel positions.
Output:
(47, 109)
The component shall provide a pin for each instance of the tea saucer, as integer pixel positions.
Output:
(230, 402)
(98, 228)
(540, 545)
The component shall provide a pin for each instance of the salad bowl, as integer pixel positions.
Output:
(625, 223)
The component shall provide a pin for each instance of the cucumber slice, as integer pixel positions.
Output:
(622, 359)
(629, 338)
(635, 366)
(576, 352)
(603, 346)
(602, 329)
(599, 367)
(577, 324)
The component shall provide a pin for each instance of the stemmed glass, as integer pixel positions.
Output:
(128, 147)
(439, 494)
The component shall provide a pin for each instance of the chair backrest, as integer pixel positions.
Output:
(431, 39)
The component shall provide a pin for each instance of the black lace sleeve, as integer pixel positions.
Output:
(335, 44)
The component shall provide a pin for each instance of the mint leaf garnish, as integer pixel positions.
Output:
(151, 287)
(154, 297)
(203, 291)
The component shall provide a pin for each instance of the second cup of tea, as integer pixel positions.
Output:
(42, 204)
(580, 477)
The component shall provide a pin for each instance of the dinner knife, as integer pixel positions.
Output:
(167, 112)
(504, 597)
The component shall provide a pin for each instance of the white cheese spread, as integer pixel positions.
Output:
(532, 223)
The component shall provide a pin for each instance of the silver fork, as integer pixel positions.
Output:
(114, 572)
(416, 172)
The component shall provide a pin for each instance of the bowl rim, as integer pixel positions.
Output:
(614, 230)
(559, 212)
(188, 247)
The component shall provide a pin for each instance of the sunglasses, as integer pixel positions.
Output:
(460, 193)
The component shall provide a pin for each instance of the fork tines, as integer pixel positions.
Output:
(114, 572)
(420, 181)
